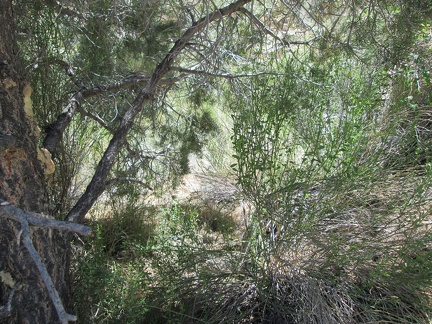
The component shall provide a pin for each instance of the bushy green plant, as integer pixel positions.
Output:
(126, 226)
(106, 289)
(334, 199)
(111, 278)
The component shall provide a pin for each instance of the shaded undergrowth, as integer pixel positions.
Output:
(189, 264)
(339, 225)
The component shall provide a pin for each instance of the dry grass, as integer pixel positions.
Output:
(350, 264)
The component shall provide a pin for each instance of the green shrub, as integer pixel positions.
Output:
(125, 226)
(110, 279)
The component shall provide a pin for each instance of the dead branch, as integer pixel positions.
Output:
(53, 293)
(9, 211)
(26, 219)
(55, 131)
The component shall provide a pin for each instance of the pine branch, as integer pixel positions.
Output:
(56, 129)
(223, 75)
(269, 32)
(98, 182)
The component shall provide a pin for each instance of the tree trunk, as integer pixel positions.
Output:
(22, 184)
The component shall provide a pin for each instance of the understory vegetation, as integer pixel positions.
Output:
(314, 197)
(333, 165)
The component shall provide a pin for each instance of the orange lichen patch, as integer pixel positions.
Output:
(12, 174)
(9, 158)
(44, 156)
(28, 107)
(8, 83)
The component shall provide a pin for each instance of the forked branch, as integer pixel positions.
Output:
(57, 128)
(11, 212)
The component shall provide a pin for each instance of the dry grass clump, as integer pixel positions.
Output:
(289, 298)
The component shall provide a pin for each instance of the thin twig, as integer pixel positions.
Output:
(223, 75)
(96, 118)
(258, 23)
(127, 179)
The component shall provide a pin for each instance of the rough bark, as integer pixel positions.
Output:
(22, 184)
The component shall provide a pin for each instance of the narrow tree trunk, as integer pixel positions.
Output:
(22, 184)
